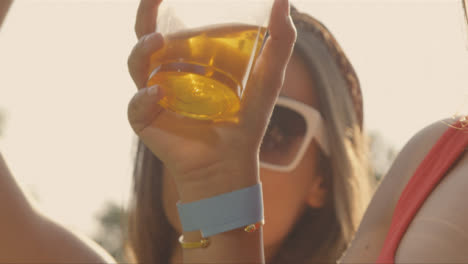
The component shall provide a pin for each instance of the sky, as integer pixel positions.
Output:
(64, 87)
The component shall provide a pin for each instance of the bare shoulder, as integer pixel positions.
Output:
(413, 153)
(439, 231)
(374, 226)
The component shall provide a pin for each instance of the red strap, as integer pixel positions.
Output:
(440, 159)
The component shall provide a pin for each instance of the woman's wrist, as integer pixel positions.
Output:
(216, 180)
(226, 182)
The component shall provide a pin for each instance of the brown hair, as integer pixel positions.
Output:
(320, 235)
(149, 231)
(465, 8)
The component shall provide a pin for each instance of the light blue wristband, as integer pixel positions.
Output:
(224, 212)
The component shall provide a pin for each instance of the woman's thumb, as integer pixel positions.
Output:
(144, 108)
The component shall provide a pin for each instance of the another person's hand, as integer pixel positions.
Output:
(209, 158)
(4, 6)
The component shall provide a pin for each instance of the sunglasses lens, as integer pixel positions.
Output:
(284, 137)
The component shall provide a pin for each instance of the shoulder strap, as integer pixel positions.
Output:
(434, 167)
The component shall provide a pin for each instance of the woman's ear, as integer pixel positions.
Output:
(317, 193)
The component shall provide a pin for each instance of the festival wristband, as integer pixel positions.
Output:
(224, 212)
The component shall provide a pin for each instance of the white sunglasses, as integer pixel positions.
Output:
(292, 127)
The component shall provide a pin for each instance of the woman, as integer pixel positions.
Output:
(417, 215)
(312, 208)
(313, 194)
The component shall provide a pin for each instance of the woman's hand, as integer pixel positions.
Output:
(209, 158)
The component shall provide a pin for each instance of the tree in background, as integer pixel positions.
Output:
(112, 221)
(382, 154)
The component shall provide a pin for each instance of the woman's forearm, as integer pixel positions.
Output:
(15, 207)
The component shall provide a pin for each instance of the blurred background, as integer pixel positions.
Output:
(64, 91)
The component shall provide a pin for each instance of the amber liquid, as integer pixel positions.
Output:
(203, 72)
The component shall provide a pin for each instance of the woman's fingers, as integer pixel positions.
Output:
(139, 59)
(268, 74)
(146, 17)
(144, 108)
